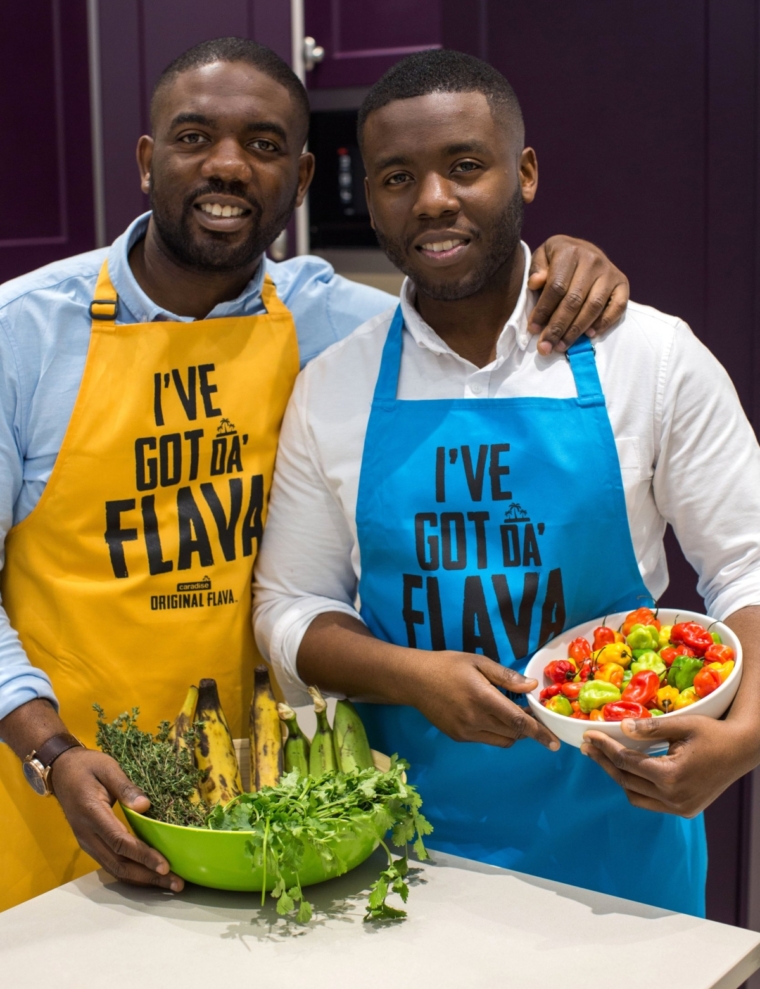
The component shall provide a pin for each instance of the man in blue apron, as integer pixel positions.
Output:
(447, 499)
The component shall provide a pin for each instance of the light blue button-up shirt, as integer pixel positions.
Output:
(44, 335)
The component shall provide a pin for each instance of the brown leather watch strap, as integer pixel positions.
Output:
(49, 751)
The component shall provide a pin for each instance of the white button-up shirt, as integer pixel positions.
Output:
(687, 454)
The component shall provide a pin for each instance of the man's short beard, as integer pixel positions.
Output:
(214, 253)
(504, 241)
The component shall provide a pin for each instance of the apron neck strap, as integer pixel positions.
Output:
(581, 357)
(390, 365)
(583, 365)
(272, 302)
(103, 306)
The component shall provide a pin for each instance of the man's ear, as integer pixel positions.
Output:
(369, 202)
(528, 168)
(305, 175)
(144, 161)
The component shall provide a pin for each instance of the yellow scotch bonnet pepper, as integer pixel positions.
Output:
(666, 698)
(613, 652)
(686, 698)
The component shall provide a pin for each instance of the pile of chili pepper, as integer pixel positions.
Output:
(644, 670)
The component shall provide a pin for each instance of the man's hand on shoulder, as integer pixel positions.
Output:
(581, 292)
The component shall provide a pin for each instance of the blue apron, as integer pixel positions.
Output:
(490, 526)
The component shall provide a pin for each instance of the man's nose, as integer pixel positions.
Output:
(436, 197)
(228, 161)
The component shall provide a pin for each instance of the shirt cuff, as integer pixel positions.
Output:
(27, 686)
(285, 641)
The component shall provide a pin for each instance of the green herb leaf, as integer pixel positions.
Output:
(284, 904)
(304, 912)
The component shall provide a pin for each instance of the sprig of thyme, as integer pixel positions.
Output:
(168, 776)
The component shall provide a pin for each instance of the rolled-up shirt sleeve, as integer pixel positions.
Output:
(707, 475)
(20, 682)
(304, 568)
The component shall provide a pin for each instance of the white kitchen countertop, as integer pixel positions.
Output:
(469, 925)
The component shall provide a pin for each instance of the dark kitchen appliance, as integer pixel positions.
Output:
(338, 215)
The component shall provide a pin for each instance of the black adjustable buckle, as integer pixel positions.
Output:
(103, 302)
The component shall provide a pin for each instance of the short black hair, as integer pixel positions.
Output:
(441, 70)
(237, 50)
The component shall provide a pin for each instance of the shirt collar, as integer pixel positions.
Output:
(515, 331)
(141, 309)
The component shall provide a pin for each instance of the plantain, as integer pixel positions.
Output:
(351, 745)
(296, 744)
(322, 755)
(266, 733)
(214, 749)
(184, 721)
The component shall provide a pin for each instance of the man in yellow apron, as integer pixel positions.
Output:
(142, 393)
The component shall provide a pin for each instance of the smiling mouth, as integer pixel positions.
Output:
(439, 251)
(215, 209)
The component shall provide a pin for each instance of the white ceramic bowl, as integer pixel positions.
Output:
(571, 730)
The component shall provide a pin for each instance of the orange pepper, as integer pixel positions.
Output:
(612, 673)
(641, 616)
(596, 715)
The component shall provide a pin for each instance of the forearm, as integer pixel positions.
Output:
(29, 725)
(340, 655)
(744, 715)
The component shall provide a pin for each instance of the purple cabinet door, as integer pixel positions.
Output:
(362, 40)
(46, 169)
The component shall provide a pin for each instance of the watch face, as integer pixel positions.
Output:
(33, 772)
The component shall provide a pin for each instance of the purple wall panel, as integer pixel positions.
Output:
(731, 220)
(361, 41)
(270, 25)
(171, 26)
(613, 96)
(123, 95)
(45, 117)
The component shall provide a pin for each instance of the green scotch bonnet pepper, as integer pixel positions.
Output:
(597, 693)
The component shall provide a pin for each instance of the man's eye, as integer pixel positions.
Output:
(193, 138)
(261, 144)
(466, 166)
(398, 179)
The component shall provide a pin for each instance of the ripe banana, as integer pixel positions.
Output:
(322, 755)
(296, 745)
(266, 733)
(351, 745)
(214, 750)
(185, 719)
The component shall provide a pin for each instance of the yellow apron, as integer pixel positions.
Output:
(131, 578)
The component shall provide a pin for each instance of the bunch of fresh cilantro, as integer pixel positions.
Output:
(304, 812)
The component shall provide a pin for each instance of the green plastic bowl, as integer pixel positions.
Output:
(219, 858)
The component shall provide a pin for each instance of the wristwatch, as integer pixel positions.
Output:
(37, 764)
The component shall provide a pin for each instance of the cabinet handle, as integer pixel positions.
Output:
(312, 53)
